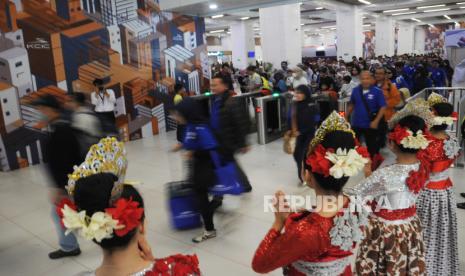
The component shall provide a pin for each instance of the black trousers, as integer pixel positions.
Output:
(301, 146)
(373, 139)
(108, 121)
(207, 208)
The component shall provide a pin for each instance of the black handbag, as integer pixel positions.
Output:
(382, 125)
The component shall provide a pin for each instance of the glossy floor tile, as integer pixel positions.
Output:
(27, 233)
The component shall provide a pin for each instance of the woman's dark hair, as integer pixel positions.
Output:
(92, 194)
(414, 124)
(356, 67)
(443, 110)
(191, 111)
(97, 82)
(335, 139)
(304, 89)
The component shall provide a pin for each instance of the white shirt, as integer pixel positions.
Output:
(346, 89)
(104, 103)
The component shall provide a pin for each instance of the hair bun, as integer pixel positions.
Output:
(93, 193)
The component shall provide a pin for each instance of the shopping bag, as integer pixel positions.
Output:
(228, 180)
(289, 142)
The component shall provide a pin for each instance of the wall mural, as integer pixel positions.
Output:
(434, 38)
(60, 46)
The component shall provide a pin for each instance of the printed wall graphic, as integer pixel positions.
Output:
(61, 46)
(369, 44)
(434, 39)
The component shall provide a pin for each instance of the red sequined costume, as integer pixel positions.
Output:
(437, 209)
(305, 248)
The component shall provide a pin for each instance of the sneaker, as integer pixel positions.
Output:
(461, 205)
(62, 254)
(205, 236)
(462, 194)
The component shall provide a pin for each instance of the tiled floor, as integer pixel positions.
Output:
(27, 233)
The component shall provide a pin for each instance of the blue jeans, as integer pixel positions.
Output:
(67, 242)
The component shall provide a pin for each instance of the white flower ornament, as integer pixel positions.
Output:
(98, 227)
(438, 121)
(346, 163)
(418, 141)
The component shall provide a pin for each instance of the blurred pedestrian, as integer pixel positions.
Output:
(305, 117)
(229, 124)
(63, 152)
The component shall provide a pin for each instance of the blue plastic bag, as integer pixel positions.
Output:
(228, 180)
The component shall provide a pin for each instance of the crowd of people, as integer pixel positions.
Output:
(399, 220)
(408, 72)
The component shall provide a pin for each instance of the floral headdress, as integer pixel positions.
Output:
(338, 162)
(434, 99)
(108, 156)
(418, 107)
(405, 137)
(120, 219)
(418, 140)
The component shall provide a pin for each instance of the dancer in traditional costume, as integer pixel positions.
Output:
(111, 213)
(436, 203)
(393, 243)
(319, 242)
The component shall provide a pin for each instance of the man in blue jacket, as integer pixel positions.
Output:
(367, 106)
(438, 76)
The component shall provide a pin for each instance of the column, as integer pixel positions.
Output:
(349, 32)
(384, 35)
(242, 42)
(281, 37)
(420, 36)
(405, 39)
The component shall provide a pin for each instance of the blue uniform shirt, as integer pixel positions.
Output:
(375, 100)
(438, 77)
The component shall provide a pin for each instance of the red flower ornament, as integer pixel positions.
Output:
(317, 160)
(127, 213)
(398, 134)
(363, 151)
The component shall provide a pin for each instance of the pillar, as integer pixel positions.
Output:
(405, 39)
(242, 42)
(384, 35)
(349, 32)
(281, 37)
(420, 36)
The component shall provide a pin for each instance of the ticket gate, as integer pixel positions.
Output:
(247, 102)
(271, 113)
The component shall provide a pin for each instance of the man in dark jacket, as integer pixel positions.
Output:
(63, 152)
(229, 123)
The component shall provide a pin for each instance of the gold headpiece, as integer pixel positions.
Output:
(332, 123)
(417, 107)
(435, 98)
(108, 156)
